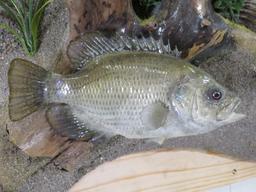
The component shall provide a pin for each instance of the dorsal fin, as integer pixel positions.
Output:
(94, 44)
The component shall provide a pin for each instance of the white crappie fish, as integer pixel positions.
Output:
(122, 86)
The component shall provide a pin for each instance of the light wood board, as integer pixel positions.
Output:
(172, 171)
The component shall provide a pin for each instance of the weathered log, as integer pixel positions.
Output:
(191, 26)
(179, 171)
(34, 136)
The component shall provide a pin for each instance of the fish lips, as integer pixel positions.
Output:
(227, 114)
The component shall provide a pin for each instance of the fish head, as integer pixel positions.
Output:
(204, 104)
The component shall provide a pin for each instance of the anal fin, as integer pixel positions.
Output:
(65, 123)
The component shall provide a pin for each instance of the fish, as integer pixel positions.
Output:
(134, 87)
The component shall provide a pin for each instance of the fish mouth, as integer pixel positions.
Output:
(229, 111)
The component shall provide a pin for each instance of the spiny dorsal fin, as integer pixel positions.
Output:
(93, 44)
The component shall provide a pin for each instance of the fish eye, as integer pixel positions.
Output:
(214, 94)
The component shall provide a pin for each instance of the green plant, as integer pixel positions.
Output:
(229, 8)
(144, 8)
(27, 14)
(148, 3)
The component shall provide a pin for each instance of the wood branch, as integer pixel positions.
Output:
(179, 171)
(34, 136)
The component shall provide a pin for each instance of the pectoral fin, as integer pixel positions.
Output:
(154, 115)
(65, 123)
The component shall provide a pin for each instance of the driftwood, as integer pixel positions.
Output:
(191, 26)
(156, 171)
(34, 136)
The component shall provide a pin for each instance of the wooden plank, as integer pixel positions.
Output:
(172, 171)
(248, 185)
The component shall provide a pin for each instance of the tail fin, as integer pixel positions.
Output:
(27, 86)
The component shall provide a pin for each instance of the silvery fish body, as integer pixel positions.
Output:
(117, 95)
(135, 94)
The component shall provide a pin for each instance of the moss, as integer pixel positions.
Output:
(244, 37)
(234, 25)
(148, 21)
(229, 8)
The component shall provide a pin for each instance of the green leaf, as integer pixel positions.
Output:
(27, 14)
(17, 8)
(229, 8)
(12, 31)
(36, 20)
(9, 11)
